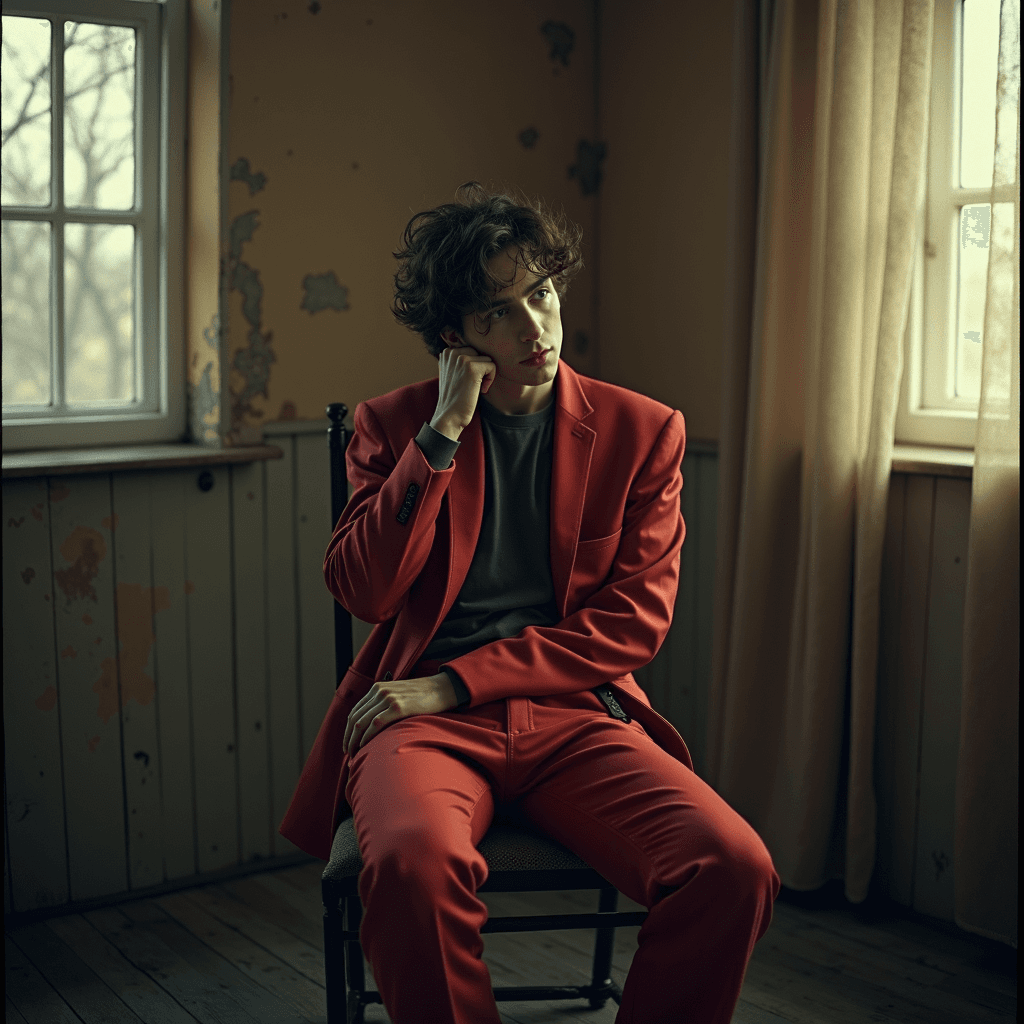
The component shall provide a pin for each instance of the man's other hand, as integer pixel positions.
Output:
(390, 700)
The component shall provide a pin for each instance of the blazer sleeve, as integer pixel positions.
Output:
(383, 538)
(620, 626)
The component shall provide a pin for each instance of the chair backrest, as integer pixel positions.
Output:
(338, 437)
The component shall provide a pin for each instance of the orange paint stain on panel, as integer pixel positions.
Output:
(87, 619)
(69, 652)
(136, 606)
(48, 700)
(109, 522)
(190, 587)
(84, 548)
(93, 744)
(37, 511)
(59, 492)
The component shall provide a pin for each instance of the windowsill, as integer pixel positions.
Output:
(933, 461)
(64, 461)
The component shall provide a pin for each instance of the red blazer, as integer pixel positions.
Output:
(402, 548)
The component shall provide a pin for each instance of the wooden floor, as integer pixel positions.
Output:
(250, 950)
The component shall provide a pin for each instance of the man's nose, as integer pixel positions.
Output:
(530, 329)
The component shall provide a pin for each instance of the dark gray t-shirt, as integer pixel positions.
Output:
(509, 585)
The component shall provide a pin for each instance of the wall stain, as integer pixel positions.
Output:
(252, 363)
(561, 39)
(141, 755)
(109, 522)
(528, 137)
(240, 171)
(203, 403)
(58, 492)
(87, 619)
(28, 575)
(37, 512)
(16, 522)
(588, 165)
(136, 608)
(288, 412)
(93, 744)
(190, 587)
(85, 548)
(69, 652)
(48, 701)
(323, 292)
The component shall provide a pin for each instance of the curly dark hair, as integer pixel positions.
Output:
(443, 275)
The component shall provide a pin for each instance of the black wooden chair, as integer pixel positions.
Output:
(519, 859)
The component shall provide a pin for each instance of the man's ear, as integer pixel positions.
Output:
(452, 338)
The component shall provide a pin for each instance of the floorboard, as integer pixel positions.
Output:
(251, 950)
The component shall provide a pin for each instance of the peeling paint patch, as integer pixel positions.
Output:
(588, 165)
(561, 39)
(288, 412)
(190, 587)
(93, 744)
(528, 137)
(109, 522)
(240, 171)
(85, 548)
(37, 512)
(69, 652)
(58, 492)
(48, 701)
(323, 292)
(87, 620)
(28, 574)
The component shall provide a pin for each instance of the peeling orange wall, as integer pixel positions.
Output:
(346, 122)
(665, 276)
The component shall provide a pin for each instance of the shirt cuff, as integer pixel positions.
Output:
(438, 448)
(461, 693)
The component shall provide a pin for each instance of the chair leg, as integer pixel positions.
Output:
(354, 976)
(608, 901)
(334, 964)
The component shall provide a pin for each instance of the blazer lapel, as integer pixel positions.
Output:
(574, 446)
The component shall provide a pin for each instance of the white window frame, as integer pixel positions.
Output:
(929, 412)
(158, 214)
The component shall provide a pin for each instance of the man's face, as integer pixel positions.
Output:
(523, 318)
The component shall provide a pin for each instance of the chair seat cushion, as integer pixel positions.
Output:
(505, 847)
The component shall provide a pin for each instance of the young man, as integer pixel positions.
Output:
(515, 532)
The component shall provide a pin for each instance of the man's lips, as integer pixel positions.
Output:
(536, 357)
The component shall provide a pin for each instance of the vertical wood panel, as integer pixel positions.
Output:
(315, 604)
(916, 567)
(32, 755)
(887, 737)
(940, 713)
(137, 605)
(211, 668)
(248, 507)
(170, 664)
(282, 652)
(88, 686)
(707, 528)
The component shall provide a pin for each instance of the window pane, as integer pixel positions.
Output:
(975, 223)
(978, 92)
(25, 103)
(26, 313)
(99, 312)
(99, 115)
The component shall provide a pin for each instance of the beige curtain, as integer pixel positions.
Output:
(807, 431)
(985, 854)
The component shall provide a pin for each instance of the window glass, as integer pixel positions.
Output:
(99, 315)
(99, 116)
(25, 112)
(978, 92)
(26, 313)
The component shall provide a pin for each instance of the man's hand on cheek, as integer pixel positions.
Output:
(391, 700)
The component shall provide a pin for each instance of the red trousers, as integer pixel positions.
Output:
(423, 794)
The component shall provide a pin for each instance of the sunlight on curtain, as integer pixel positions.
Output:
(986, 882)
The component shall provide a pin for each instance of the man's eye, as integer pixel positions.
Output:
(497, 314)
(542, 293)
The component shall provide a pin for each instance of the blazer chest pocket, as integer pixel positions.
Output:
(594, 559)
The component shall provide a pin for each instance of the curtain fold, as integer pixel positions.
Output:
(807, 438)
(985, 842)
